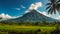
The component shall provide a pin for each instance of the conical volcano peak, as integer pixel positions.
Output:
(34, 16)
(28, 11)
(33, 10)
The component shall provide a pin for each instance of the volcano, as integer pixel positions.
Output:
(34, 16)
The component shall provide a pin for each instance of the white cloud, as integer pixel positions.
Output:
(35, 5)
(6, 16)
(23, 6)
(16, 8)
(27, 11)
(19, 8)
(58, 17)
(44, 13)
(55, 16)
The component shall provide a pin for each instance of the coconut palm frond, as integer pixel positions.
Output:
(48, 7)
(49, 4)
(53, 6)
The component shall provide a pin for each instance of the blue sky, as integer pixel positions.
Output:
(8, 6)
(18, 7)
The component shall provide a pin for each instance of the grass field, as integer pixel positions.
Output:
(16, 28)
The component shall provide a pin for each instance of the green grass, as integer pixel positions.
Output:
(26, 28)
(4, 29)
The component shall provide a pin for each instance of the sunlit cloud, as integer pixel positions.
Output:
(35, 5)
(6, 16)
(19, 7)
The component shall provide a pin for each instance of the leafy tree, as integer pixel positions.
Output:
(53, 6)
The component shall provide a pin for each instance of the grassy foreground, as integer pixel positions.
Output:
(4, 29)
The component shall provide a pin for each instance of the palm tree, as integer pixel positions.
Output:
(53, 6)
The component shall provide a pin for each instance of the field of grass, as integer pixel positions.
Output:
(23, 28)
